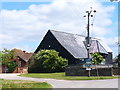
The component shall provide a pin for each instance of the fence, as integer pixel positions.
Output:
(101, 70)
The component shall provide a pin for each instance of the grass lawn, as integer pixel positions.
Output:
(63, 77)
(0, 84)
(24, 84)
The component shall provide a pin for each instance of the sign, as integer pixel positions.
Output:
(88, 60)
(88, 68)
(88, 64)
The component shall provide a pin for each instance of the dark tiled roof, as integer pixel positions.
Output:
(74, 44)
(23, 55)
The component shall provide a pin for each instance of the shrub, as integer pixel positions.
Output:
(11, 65)
(48, 61)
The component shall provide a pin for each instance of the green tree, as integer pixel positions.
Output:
(6, 56)
(11, 65)
(117, 59)
(48, 61)
(97, 58)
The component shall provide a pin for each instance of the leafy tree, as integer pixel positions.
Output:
(6, 56)
(11, 65)
(117, 59)
(48, 61)
(97, 58)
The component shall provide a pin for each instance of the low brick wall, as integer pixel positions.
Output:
(79, 71)
(21, 70)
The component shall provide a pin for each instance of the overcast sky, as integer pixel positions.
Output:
(24, 24)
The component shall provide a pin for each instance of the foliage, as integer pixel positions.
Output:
(11, 65)
(117, 60)
(48, 61)
(97, 58)
(6, 56)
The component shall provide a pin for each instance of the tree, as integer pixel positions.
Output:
(11, 65)
(96, 60)
(117, 59)
(6, 56)
(48, 61)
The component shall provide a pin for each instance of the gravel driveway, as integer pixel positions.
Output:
(108, 83)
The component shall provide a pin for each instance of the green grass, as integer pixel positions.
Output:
(63, 77)
(24, 84)
(0, 84)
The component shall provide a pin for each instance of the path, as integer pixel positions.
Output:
(108, 83)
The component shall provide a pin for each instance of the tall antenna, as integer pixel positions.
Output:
(89, 14)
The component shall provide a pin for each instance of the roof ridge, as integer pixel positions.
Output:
(67, 32)
(72, 34)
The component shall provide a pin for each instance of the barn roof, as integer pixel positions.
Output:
(75, 44)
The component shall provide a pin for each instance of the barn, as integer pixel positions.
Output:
(73, 46)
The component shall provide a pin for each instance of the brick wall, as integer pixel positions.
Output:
(21, 70)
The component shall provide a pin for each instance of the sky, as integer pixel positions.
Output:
(24, 24)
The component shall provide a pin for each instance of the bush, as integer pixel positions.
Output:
(11, 65)
(47, 61)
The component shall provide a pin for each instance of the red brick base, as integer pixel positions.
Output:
(21, 70)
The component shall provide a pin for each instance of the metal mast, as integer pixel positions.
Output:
(88, 29)
(89, 14)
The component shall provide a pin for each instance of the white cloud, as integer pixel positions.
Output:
(30, 25)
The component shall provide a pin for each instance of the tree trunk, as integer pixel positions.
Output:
(97, 70)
